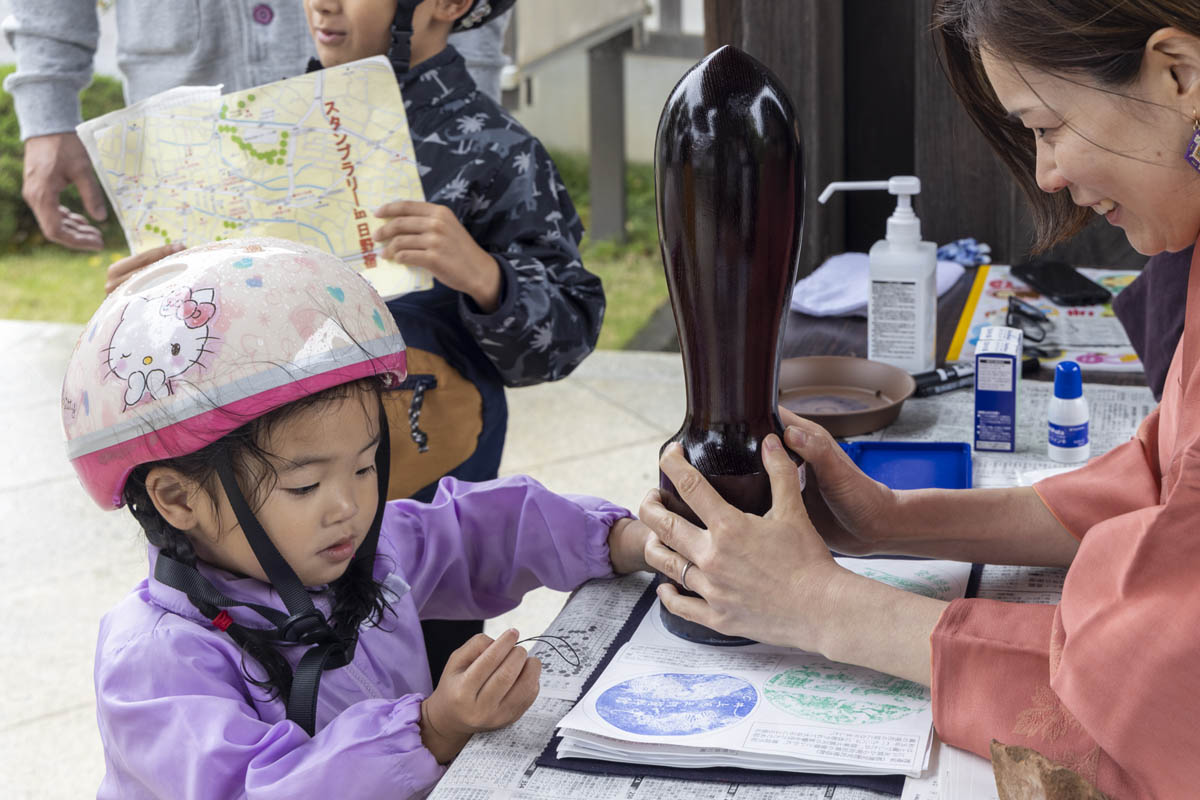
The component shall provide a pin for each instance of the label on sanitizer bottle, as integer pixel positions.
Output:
(1069, 435)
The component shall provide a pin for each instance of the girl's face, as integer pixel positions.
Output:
(1118, 156)
(323, 502)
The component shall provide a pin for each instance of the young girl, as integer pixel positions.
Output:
(229, 395)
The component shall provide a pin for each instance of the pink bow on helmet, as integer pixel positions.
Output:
(193, 314)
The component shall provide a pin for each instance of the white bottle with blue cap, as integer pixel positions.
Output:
(1068, 416)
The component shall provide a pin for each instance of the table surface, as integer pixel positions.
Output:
(805, 335)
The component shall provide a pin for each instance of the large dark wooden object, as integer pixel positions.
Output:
(729, 182)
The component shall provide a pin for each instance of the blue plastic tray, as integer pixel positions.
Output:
(914, 465)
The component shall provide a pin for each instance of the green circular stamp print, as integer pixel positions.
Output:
(840, 694)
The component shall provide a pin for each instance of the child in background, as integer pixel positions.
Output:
(513, 304)
(230, 396)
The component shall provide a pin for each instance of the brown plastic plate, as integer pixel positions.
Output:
(846, 396)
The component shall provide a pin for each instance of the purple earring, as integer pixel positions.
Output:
(1193, 149)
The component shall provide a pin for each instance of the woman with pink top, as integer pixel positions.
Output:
(1095, 107)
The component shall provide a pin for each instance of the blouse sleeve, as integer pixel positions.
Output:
(191, 733)
(1107, 681)
(1124, 479)
(477, 548)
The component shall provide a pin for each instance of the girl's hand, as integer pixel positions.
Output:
(852, 511)
(768, 578)
(627, 540)
(119, 271)
(429, 235)
(486, 685)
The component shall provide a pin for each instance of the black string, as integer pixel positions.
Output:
(546, 636)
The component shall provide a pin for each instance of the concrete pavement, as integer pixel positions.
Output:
(64, 562)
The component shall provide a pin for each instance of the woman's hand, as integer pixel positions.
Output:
(772, 578)
(429, 235)
(627, 540)
(119, 271)
(486, 685)
(853, 512)
(767, 578)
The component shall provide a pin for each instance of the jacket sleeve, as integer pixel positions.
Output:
(477, 548)
(55, 42)
(551, 308)
(191, 733)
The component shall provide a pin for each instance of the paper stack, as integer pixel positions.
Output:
(663, 700)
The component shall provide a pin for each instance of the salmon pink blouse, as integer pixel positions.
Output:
(1108, 681)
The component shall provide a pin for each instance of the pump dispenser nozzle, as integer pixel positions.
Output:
(903, 226)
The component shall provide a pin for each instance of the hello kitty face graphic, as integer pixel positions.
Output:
(159, 339)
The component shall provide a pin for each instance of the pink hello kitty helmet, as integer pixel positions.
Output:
(203, 341)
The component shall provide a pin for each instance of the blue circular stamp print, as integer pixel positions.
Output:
(676, 704)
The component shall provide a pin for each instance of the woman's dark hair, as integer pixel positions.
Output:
(357, 597)
(1100, 40)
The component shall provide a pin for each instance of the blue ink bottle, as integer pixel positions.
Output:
(1068, 417)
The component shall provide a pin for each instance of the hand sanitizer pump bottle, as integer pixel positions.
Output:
(902, 301)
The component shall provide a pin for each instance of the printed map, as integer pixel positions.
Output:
(308, 158)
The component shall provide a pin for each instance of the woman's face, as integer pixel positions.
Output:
(1121, 157)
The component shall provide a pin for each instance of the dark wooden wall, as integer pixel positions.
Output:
(873, 103)
(774, 33)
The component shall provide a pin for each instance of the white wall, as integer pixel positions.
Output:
(559, 112)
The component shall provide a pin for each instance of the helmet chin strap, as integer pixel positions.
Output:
(304, 623)
(400, 50)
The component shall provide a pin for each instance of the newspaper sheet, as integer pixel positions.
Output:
(1116, 412)
(1091, 335)
(308, 158)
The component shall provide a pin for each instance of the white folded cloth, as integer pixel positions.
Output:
(839, 287)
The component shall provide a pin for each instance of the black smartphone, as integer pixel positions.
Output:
(1062, 283)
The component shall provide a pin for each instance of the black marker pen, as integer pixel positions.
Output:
(938, 388)
(945, 376)
(959, 376)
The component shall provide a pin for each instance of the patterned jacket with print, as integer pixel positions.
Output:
(504, 188)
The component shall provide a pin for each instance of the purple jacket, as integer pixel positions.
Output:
(179, 719)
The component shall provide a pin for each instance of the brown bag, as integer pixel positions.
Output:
(435, 418)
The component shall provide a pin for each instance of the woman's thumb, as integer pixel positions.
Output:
(810, 441)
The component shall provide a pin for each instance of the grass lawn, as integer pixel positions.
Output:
(53, 284)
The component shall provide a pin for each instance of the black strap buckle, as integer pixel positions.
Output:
(307, 627)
